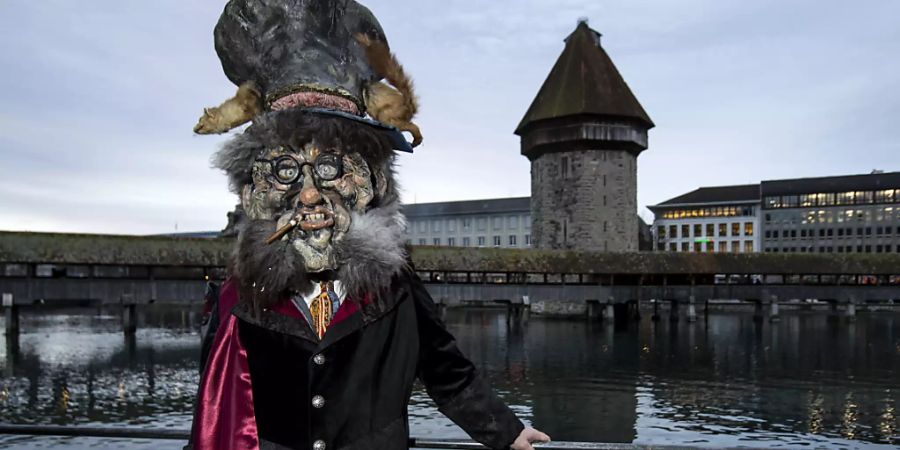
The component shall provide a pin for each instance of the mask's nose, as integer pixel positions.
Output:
(309, 195)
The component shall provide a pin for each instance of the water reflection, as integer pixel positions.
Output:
(806, 381)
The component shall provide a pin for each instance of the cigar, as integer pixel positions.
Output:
(282, 231)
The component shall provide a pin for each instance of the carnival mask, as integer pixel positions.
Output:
(310, 193)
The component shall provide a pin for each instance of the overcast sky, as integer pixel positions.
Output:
(98, 98)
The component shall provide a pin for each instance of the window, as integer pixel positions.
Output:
(436, 241)
(467, 224)
(564, 166)
(697, 247)
(422, 226)
(512, 222)
(698, 230)
(467, 242)
(526, 220)
(481, 241)
(451, 241)
(498, 222)
(604, 200)
(748, 246)
(423, 241)
(723, 231)
(769, 233)
(685, 246)
(735, 229)
(710, 230)
(660, 232)
(435, 225)
(451, 224)
(673, 247)
(735, 246)
(723, 246)
(512, 240)
(673, 232)
(685, 231)
(481, 223)
(748, 228)
(496, 241)
(775, 234)
(710, 247)
(528, 239)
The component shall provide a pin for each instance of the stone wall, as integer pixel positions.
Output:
(585, 200)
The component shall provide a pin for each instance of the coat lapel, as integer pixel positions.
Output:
(367, 312)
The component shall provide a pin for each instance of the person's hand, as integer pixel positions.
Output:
(526, 437)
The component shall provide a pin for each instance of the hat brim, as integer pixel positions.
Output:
(398, 141)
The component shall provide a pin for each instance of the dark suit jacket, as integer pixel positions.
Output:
(354, 394)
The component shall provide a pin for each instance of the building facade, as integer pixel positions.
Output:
(502, 222)
(842, 214)
(709, 219)
(582, 134)
(848, 214)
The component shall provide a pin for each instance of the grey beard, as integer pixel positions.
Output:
(368, 256)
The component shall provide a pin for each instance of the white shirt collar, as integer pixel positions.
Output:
(314, 292)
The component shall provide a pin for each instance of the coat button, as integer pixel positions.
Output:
(318, 401)
(319, 359)
(319, 445)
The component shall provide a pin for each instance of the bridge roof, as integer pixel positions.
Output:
(63, 248)
(57, 248)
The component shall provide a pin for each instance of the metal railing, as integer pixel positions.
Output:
(182, 435)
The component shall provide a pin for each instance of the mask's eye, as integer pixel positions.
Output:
(328, 166)
(286, 170)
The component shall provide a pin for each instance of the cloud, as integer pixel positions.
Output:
(99, 99)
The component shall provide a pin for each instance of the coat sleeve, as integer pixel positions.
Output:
(453, 382)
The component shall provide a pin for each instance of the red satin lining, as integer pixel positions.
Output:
(224, 419)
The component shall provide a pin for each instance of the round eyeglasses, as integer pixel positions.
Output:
(287, 170)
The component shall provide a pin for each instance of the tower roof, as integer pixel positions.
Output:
(584, 80)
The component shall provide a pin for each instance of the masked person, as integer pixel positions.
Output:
(322, 325)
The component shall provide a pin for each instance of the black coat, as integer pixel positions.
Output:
(354, 394)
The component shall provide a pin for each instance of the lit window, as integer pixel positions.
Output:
(735, 229)
(748, 228)
(723, 231)
(748, 246)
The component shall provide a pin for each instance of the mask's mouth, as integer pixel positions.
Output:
(311, 219)
(308, 220)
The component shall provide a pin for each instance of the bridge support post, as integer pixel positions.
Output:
(850, 312)
(655, 316)
(773, 309)
(692, 310)
(673, 311)
(609, 313)
(129, 315)
(11, 311)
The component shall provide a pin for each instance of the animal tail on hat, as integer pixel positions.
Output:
(396, 106)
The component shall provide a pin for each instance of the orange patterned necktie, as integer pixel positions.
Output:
(320, 309)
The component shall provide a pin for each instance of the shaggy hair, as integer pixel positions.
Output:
(295, 128)
(368, 255)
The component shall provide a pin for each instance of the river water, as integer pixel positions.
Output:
(809, 381)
